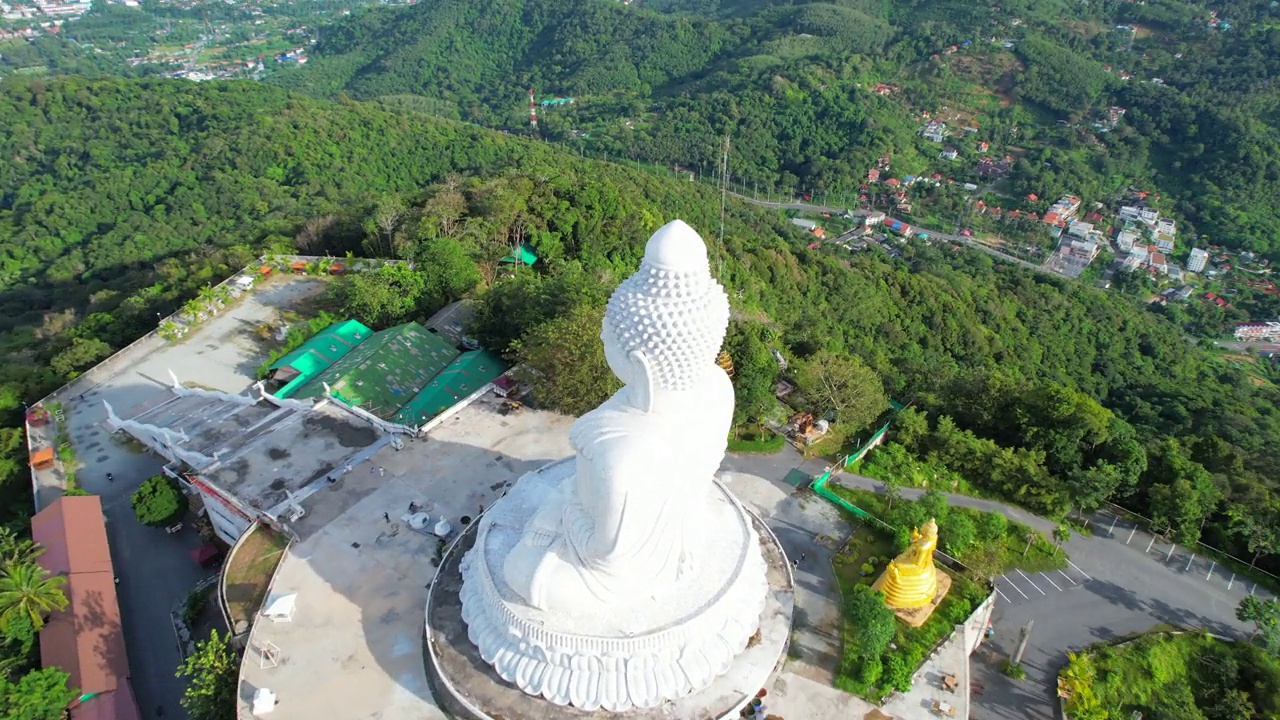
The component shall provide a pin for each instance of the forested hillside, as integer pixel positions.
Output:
(127, 196)
(793, 84)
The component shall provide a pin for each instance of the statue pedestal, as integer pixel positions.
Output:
(915, 617)
(699, 649)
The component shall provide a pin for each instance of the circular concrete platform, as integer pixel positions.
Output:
(467, 688)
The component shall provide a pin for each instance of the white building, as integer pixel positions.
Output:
(806, 224)
(1079, 229)
(1125, 240)
(1255, 331)
(1199, 258)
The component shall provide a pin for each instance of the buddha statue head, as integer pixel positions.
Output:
(665, 324)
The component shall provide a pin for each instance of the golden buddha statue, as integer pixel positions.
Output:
(911, 580)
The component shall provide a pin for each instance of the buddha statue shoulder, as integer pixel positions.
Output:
(626, 520)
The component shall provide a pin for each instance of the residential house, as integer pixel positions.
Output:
(1062, 210)
(934, 131)
(948, 153)
(1125, 240)
(1079, 229)
(874, 218)
(1175, 272)
(1199, 258)
(1158, 263)
(873, 175)
(983, 146)
(806, 224)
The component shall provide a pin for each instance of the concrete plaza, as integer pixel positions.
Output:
(353, 648)
(155, 568)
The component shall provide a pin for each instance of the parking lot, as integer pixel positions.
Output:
(155, 568)
(1018, 586)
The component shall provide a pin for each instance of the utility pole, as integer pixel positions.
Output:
(724, 179)
(1023, 637)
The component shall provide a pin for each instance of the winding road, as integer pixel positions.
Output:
(962, 239)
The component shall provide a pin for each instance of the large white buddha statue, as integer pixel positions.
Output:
(627, 575)
(647, 456)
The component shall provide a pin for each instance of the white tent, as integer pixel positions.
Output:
(280, 607)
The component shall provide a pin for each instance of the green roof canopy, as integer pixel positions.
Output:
(319, 352)
(468, 373)
(386, 371)
(523, 254)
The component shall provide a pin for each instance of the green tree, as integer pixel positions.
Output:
(563, 362)
(1265, 616)
(388, 296)
(843, 388)
(27, 591)
(158, 501)
(991, 526)
(448, 273)
(212, 673)
(37, 695)
(16, 549)
(868, 623)
(80, 354)
(1184, 495)
(754, 372)
(957, 533)
(1061, 534)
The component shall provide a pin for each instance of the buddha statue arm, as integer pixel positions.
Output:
(594, 519)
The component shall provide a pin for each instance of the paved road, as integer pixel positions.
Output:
(1246, 346)
(1110, 590)
(155, 568)
(962, 239)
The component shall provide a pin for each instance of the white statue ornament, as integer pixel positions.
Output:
(627, 575)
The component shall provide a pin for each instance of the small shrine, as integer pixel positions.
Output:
(911, 584)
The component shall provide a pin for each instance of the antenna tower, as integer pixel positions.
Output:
(533, 111)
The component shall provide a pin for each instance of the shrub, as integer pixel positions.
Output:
(991, 526)
(957, 533)
(1013, 670)
(897, 672)
(158, 502)
(870, 671)
(867, 568)
(193, 607)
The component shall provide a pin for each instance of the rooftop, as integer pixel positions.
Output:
(355, 640)
(86, 639)
(384, 372)
(289, 454)
(258, 453)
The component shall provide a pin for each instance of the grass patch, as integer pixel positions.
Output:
(875, 678)
(998, 544)
(249, 571)
(759, 441)
(1172, 675)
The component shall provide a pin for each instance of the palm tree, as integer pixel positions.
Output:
(26, 590)
(1061, 534)
(1030, 537)
(14, 549)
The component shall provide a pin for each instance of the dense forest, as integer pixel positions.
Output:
(120, 198)
(791, 83)
(111, 226)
